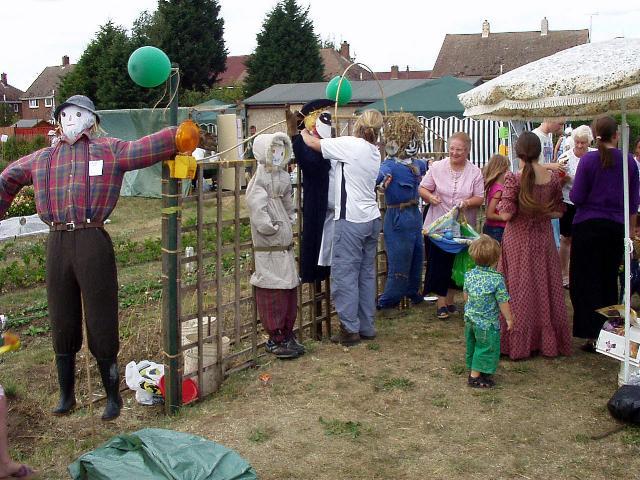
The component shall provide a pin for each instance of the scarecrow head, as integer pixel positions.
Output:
(403, 134)
(75, 116)
(272, 150)
(317, 118)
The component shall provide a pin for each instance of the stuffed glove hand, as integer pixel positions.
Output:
(293, 121)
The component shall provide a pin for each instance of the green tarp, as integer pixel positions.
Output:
(435, 98)
(157, 454)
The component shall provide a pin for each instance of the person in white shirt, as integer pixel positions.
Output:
(357, 225)
(545, 133)
(582, 138)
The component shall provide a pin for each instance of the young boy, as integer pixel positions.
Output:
(485, 297)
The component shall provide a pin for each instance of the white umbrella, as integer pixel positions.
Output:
(578, 83)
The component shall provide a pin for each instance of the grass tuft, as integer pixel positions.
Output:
(341, 428)
(386, 383)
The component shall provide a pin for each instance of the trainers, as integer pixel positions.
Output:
(282, 350)
(294, 344)
(270, 346)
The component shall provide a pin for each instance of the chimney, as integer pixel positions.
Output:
(65, 61)
(544, 27)
(344, 50)
(485, 29)
(3, 79)
(395, 72)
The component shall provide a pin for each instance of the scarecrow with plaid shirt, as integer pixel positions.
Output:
(77, 185)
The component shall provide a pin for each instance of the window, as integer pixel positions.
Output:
(48, 102)
(16, 107)
(33, 103)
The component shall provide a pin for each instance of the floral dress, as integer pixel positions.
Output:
(531, 268)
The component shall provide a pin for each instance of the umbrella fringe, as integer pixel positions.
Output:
(552, 102)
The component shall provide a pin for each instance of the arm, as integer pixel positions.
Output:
(427, 189)
(287, 200)
(492, 214)
(508, 205)
(15, 176)
(145, 151)
(385, 169)
(505, 309)
(312, 142)
(477, 194)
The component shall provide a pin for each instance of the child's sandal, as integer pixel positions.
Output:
(480, 382)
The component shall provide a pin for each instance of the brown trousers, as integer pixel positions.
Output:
(81, 268)
(277, 310)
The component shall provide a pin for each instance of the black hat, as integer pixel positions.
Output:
(77, 101)
(314, 105)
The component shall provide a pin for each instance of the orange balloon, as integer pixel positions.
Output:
(187, 137)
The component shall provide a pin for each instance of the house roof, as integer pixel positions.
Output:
(31, 122)
(235, 73)
(335, 64)
(472, 55)
(405, 74)
(433, 98)
(47, 82)
(363, 92)
(9, 93)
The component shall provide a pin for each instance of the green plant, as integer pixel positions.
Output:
(259, 435)
(386, 383)
(341, 428)
(631, 436)
(23, 204)
(373, 346)
(458, 368)
(33, 331)
(440, 400)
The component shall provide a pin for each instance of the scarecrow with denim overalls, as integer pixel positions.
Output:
(399, 178)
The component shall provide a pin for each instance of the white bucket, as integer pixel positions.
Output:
(190, 327)
(209, 353)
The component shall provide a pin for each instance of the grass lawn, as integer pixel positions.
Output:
(394, 408)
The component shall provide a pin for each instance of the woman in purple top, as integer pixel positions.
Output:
(598, 229)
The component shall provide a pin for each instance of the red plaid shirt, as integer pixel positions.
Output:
(81, 181)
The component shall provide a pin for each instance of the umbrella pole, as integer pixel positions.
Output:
(627, 243)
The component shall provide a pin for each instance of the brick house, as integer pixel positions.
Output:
(396, 74)
(38, 102)
(487, 55)
(10, 95)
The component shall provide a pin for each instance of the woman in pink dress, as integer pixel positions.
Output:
(529, 261)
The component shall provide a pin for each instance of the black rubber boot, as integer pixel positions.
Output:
(111, 381)
(66, 379)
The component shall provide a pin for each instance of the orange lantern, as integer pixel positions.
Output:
(187, 137)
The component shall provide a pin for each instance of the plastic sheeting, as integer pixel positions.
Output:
(156, 454)
(21, 227)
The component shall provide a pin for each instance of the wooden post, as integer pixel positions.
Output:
(170, 269)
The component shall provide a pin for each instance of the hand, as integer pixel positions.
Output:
(387, 181)
(463, 205)
(556, 167)
(434, 199)
(509, 323)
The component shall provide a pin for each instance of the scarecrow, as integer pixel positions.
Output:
(318, 200)
(399, 177)
(77, 184)
(272, 214)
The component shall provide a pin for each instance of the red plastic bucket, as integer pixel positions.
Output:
(189, 389)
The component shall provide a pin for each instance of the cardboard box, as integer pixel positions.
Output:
(612, 345)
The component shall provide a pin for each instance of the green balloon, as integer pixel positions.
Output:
(149, 66)
(342, 97)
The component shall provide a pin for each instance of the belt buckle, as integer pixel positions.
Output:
(71, 226)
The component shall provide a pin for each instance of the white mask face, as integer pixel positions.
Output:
(323, 125)
(74, 120)
(277, 154)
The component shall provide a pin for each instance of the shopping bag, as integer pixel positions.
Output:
(461, 265)
(451, 232)
(625, 404)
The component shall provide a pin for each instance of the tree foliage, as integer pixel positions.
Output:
(287, 50)
(7, 115)
(191, 34)
(101, 73)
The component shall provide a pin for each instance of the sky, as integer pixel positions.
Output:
(37, 33)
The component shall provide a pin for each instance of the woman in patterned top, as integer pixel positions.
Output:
(485, 296)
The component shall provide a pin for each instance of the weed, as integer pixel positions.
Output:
(440, 400)
(490, 399)
(259, 435)
(385, 383)
(373, 346)
(33, 331)
(458, 368)
(631, 436)
(310, 346)
(520, 368)
(10, 388)
(581, 438)
(340, 428)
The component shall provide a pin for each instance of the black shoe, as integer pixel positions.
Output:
(111, 381)
(283, 350)
(66, 365)
(367, 337)
(294, 344)
(270, 346)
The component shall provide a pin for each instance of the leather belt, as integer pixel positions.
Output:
(410, 203)
(273, 249)
(71, 226)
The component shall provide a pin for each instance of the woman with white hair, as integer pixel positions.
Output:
(582, 138)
